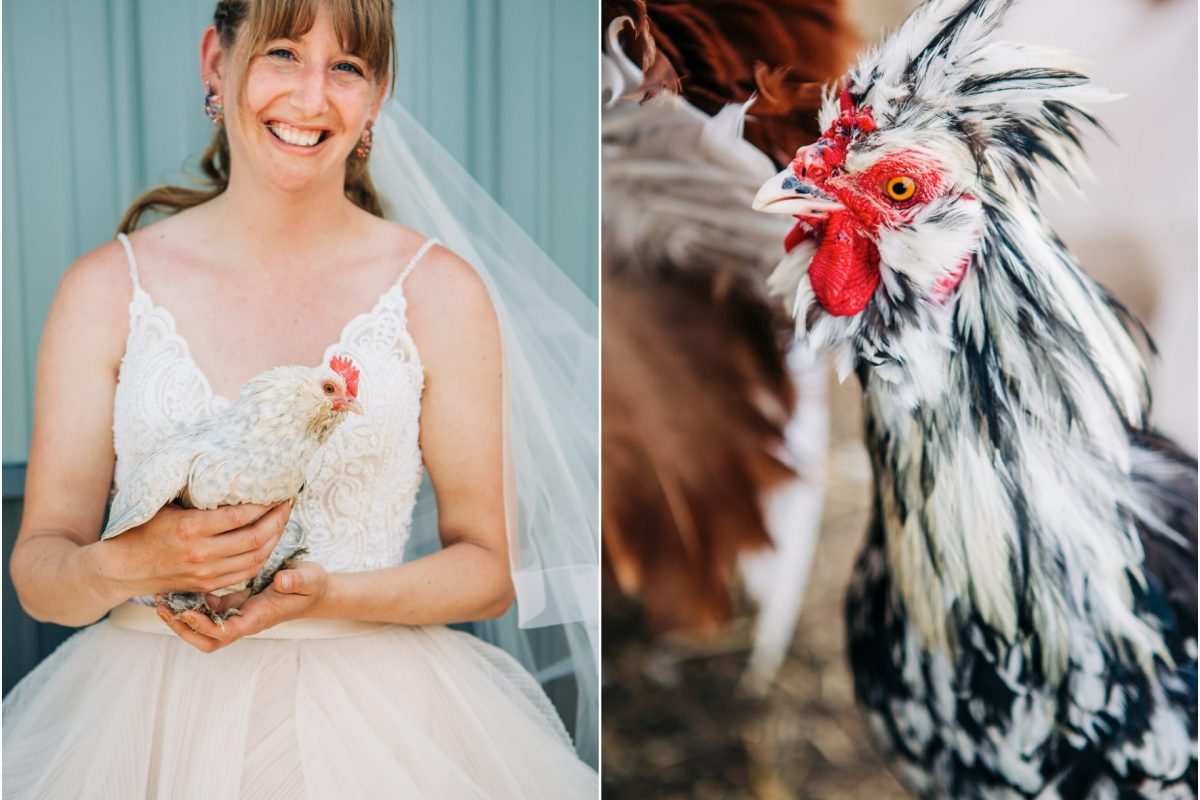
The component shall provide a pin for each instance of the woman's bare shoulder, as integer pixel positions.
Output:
(441, 280)
(89, 317)
(173, 238)
(102, 273)
(97, 288)
(449, 310)
(444, 284)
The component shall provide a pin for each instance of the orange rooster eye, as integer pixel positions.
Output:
(900, 188)
(330, 388)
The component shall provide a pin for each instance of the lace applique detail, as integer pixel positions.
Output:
(161, 391)
(360, 488)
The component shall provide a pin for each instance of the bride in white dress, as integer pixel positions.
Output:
(339, 680)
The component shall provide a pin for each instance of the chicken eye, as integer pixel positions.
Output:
(900, 188)
(329, 388)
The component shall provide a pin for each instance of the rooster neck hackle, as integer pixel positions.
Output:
(1004, 481)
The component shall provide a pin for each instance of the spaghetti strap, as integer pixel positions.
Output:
(416, 258)
(133, 269)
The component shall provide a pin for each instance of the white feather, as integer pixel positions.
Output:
(776, 579)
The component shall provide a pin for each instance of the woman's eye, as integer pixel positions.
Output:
(346, 66)
(280, 52)
(900, 188)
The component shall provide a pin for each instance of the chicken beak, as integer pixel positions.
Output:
(349, 404)
(787, 194)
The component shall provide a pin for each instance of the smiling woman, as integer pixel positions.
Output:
(282, 88)
(338, 676)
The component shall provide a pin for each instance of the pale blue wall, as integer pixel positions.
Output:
(102, 98)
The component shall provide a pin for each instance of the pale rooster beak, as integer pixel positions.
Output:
(349, 404)
(787, 194)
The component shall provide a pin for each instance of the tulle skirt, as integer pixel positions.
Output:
(368, 712)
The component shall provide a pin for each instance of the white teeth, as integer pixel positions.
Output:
(296, 136)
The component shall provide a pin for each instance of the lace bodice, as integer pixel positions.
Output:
(357, 502)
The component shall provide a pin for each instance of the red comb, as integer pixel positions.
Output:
(836, 140)
(345, 367)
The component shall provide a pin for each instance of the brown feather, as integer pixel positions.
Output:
(695, 390)
(717, 52)
(694, 398)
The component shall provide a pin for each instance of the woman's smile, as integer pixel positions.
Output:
(293, 138)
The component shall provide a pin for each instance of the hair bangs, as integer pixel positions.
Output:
(278, 19)
(364, 28)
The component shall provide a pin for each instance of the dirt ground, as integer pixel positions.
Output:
(676, 723)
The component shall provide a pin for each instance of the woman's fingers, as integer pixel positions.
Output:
(232, 570)
(186, 628)
(257, 538)
(297, 579)
(288, 581)
(225, 518)
(201, 624)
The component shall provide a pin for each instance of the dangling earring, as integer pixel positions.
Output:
(364, 143)
(212, 106)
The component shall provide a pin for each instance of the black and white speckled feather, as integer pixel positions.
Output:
(1022, 620)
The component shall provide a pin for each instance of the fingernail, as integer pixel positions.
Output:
(190, 620)
(285, 581)
(164, 615)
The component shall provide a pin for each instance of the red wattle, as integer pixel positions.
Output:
(799, 233)
(845, 270)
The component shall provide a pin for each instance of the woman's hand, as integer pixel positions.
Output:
(190, 550)
(292, 594)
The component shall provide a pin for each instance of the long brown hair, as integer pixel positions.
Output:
(365, 29)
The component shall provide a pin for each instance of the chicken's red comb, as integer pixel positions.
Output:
(345, 367)
(837, 138)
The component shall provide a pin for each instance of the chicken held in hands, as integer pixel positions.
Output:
(254, 451)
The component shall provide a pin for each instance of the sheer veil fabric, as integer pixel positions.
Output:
(549, 333)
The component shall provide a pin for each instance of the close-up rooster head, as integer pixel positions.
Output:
(931, 150)
(339, 385)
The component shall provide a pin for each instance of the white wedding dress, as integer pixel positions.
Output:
(311, 708)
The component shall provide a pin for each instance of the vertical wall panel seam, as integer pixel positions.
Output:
(474, 151)
(491, 175)
(421, 67)
(121, 114)
(544, 106)
(137, 86)
(597, 167)
(10, 107)
(72, 142)
(114, 143)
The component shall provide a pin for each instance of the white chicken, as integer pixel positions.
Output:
(255, 451)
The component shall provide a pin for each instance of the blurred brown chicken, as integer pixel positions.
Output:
(696, 393)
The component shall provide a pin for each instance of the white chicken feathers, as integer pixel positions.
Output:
(255, 451)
